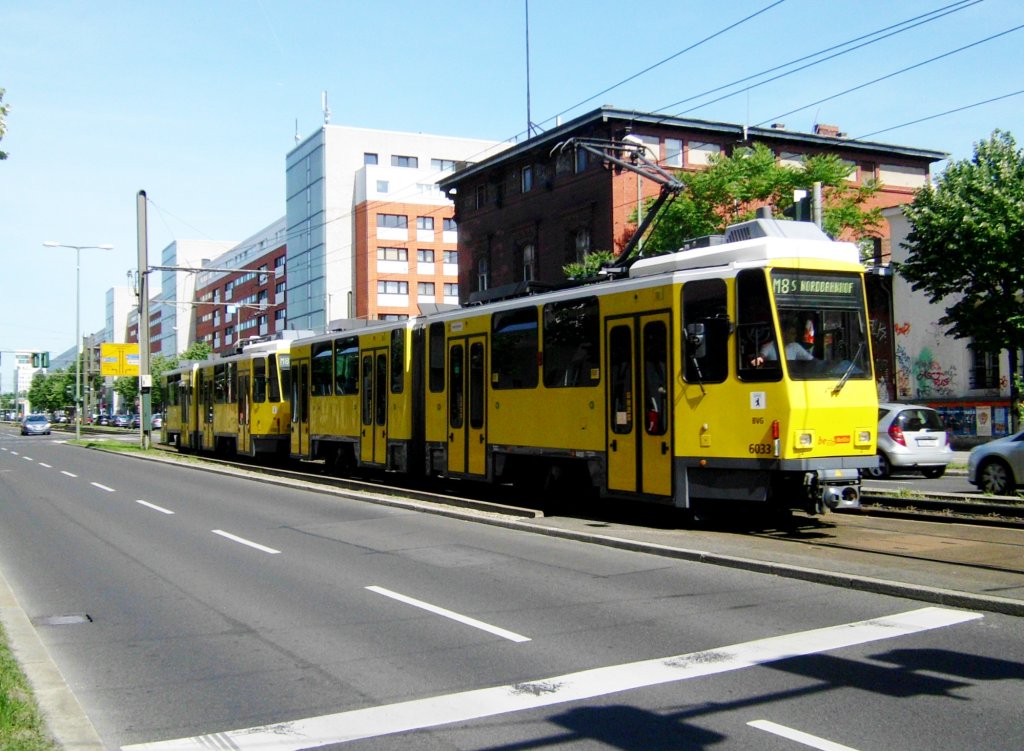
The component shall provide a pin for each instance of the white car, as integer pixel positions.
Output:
(997, 467)
(911, 437)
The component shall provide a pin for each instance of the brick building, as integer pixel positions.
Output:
(527, 211)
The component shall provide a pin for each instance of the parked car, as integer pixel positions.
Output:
(121, 421)
(911, 437)
(35, 425)
(136, 421)
(997, 467)
(157, 421)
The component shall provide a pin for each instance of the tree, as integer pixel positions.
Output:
(965, 248)
(734, 187)
(196, 351)
(4, 109)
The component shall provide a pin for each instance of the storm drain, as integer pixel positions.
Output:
(63, 620)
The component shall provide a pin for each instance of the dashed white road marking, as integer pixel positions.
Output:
(28, 458)
(153, 506)
(806, 739)
(102, 487)
(243, 541)
(467, 706)
(510, 635)
(69, 474)
(44, 464)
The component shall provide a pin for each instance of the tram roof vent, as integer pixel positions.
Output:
(773, 228)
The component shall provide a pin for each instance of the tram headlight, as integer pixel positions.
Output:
(803, 440)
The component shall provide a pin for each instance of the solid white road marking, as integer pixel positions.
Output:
(243, 541)
(510, 635)
(69, 474)
(101, 487)
(466, 706)
(153, 506)
(795, 735)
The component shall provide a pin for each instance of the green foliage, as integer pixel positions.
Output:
(51, 392)
(195, 351)
(589, 266)
(733, 187)
(4, 109)
(128, 388)
(965, 244)
(21, 723)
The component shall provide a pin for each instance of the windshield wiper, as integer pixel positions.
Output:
(849, 371)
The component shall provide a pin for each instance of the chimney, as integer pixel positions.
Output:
(829, 131)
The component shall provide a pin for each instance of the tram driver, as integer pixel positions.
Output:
(794, 349)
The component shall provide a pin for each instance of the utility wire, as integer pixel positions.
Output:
(939, 114)
(893, 29)
(895, 73)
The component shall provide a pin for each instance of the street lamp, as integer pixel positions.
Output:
(78, 311)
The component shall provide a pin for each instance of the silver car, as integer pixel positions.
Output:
(911, 437)
(35, 425)
(997, 467)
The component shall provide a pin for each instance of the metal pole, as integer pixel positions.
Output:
(145, 378)
(78, 340)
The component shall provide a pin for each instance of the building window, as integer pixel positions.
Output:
(450, 225)
(398, 160)
(444, 165)
(392, 221)
(369, 158)
(483, 273)
(425, 222)
(451, 290)
(424, 255)
(701, 153)
(529, 262)
(392, 254)
(451, 256)
(581, 160)
(984, 369)
(580, 244)
(673, 152)
(382, 186)
(481, 196)
(392, 287)
(425, 289)
(527, 179)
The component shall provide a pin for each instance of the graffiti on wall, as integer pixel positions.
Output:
(922, 376)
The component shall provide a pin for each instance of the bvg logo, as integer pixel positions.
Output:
(836, 440)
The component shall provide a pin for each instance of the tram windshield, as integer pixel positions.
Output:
(822, 326)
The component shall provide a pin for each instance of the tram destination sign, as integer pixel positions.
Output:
(795, 288)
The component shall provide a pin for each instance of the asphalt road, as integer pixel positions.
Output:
(185, 605)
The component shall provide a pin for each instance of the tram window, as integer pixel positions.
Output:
(476, 385)
(655, 378)
(435, 356)
(706, 318)
(171, 389)
(284, 364)
(220, 383)
(367, 403)
(275, 378)
(232, 382)
(456, 386)
(620, 366)
(259, 380)
(755, 330)
(571, 336)
(346, 366)
(514, 349)
(397, 360)
(321, 369)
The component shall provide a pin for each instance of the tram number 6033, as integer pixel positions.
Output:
(759, 448)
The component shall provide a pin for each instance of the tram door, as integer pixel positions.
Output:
(373, 443)
(244, 411)
(467, 382)
(187, 398)
(639, 438)
(300, 408)
(207, 441)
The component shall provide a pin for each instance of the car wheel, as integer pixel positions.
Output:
(882, 470)
(933, 473)
(995, 477)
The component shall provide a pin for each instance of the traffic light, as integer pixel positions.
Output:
(800, 211)
(40, 359)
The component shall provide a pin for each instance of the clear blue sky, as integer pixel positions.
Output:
(196, 101)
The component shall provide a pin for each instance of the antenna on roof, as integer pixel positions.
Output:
(297, 139)
(530, 127)
(325, 108)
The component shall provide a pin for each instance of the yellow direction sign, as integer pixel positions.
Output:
(119, 359)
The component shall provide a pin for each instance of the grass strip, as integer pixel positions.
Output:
(22, 727)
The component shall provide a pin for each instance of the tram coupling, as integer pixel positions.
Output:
(830, 489)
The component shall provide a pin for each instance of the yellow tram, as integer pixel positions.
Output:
(664, 386)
